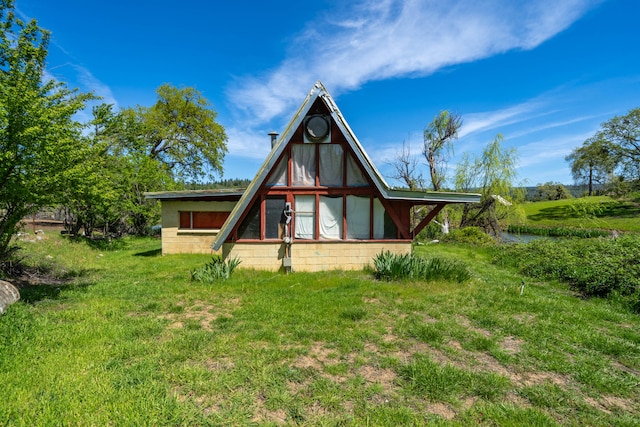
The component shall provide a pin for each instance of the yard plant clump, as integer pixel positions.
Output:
(215, 270)
(391, 266)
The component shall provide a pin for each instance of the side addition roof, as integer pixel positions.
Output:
(319, 91)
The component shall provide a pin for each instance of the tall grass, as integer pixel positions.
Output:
(392, 266)
(557, 231)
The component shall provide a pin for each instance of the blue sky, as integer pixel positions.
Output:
(543, 73)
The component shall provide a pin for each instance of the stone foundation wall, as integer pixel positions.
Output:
(313, 256)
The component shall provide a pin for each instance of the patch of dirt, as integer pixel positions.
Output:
(608, 404)
(264, 415)
(441, 409)
(201, 401)
(532, 378)
(511, 344)
(223, 364)
(389, 336)
(383, 376)
(467, 324)
(201, 312)
(625, 368)
(524, 318)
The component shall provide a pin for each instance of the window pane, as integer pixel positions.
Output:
(383, 225)
(358, 217)
(185, 219)
(274, 218)
(303, 164)
(331, 165)
(355, 177)
(279, 175)
(305, 217)
(390, 229)
(250, 227)
(208, 220)
(330, 217)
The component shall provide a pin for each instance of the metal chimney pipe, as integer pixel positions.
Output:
(274, 138)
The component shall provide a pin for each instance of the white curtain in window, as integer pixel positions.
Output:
(358, 217)
(331, 165)
(330, 212)
(305, 217)
(279, 175)
(378, 219)
(303, 171)
(355, 177)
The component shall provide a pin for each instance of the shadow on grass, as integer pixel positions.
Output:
(151, 253)
(610, 209)
(101, 244)
(32, 293)
(44, 283)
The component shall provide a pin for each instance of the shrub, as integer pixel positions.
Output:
(215, 270)
(470, 235)
(558, 231)
(595, 267)
(390, 266)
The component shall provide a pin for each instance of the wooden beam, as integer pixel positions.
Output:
(403, 226)
(432, 214)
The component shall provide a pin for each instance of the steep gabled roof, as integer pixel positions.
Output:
(319, 91)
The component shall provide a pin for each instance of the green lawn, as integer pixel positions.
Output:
(586, 212)
(132, 341)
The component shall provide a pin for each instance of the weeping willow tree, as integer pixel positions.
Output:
(492, 174)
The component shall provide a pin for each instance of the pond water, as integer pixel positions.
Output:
(522, 238)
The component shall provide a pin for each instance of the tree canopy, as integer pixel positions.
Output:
(594, 162)
(98, 171)
(181, 131)
(438, 145)
(492, 175)
(39, 137)
(611, 155)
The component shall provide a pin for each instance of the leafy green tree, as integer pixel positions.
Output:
(492, 175)
(624, 133)
(39, 138)
(552, 191)
(594, 162)
(181, 131)
(108, 188)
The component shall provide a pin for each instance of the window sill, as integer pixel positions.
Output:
(212, 232)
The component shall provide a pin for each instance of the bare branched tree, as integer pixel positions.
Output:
(406, 168)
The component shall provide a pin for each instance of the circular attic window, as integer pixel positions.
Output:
(317, 127)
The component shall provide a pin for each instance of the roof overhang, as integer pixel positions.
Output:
(431, 197)
(196, 195)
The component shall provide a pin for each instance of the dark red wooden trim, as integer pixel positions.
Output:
(426, 220)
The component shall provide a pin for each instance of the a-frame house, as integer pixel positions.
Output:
(319, 203)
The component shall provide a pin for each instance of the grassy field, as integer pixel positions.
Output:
(586, 212)
(132, 341)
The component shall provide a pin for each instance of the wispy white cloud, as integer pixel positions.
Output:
(399, 38)
(488, 120)
(84, 78)
(248, 143)
(91, 84)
